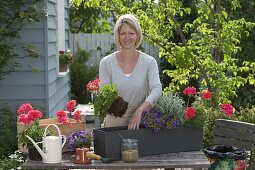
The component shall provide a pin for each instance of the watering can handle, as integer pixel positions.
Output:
(59, 134)
(63, 136)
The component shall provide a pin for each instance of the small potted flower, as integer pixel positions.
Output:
(64, 59)
(79, 139)
(93, 87)
(29, 117)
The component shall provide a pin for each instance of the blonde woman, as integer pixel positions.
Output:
(135, 73)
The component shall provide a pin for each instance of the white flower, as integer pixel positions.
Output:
(13, 156)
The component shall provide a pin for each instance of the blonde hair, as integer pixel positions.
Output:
(130, 20)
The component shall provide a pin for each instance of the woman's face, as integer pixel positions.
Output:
(128, 37)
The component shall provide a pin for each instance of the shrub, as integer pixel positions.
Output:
(81, 74)
(8, 132)
(13, 161)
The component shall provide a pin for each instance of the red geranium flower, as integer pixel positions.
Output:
(34, 114)
(61, 52)
(76, 115)
(190, 91)
(62, 117)
(70, 105)
(206, 94)
(228, 109)
(23, 118)
(24, 108)
(93, 85)
(27, 115)
(190, 112)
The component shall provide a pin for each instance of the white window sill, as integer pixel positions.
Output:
(63, 74)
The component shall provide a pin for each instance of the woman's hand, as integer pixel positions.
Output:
(135, 120)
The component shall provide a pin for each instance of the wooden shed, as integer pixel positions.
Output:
(47, 87)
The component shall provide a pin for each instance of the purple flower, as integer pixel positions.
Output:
(176, 124)
(157, 120)
(79, 139)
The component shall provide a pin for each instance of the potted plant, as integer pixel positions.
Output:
(167, 113)
(30, 124)
(64, 59)
(108, 101)
(171, 126)
(29, 116)
(93, 87)
(79, 139)
(106, 96)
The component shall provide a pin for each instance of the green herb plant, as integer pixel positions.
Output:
(34, 131)
(171, 104)
(106, 96)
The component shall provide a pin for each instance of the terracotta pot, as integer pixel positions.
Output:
(81, 157)
(63, 67)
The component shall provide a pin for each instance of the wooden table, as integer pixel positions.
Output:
(195, 159)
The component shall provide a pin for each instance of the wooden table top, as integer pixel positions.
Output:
(194, 159)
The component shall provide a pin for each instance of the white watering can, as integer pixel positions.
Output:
(51, 151)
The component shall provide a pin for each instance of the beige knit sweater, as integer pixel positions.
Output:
(143, 83)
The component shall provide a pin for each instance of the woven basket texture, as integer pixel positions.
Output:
(107, 142)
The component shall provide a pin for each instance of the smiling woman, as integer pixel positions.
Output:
(135, 73)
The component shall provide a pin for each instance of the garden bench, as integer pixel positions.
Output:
(235, 133)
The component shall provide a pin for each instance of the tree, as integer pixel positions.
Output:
(209, 43)
(87, 19)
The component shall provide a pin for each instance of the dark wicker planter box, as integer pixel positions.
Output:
(107, 142)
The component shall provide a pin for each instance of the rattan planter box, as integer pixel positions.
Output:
(107, 142)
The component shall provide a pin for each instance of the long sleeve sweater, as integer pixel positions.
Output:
(142, 85)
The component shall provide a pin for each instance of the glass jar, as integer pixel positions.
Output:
(129, 150)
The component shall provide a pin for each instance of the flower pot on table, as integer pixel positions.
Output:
(107, 142)
(64, 129)
(33, 153)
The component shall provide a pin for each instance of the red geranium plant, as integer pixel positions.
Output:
(62, 115)
(93, 87)
(29, 116)
(170, 111)
(196, 113)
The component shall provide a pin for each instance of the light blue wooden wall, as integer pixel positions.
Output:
(58, 86)
(45, 88)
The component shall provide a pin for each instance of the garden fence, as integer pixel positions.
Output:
(99, 45)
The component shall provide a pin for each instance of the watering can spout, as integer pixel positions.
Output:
(37, 147)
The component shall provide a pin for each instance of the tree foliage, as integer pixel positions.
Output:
(87, 19)
(208, 47)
